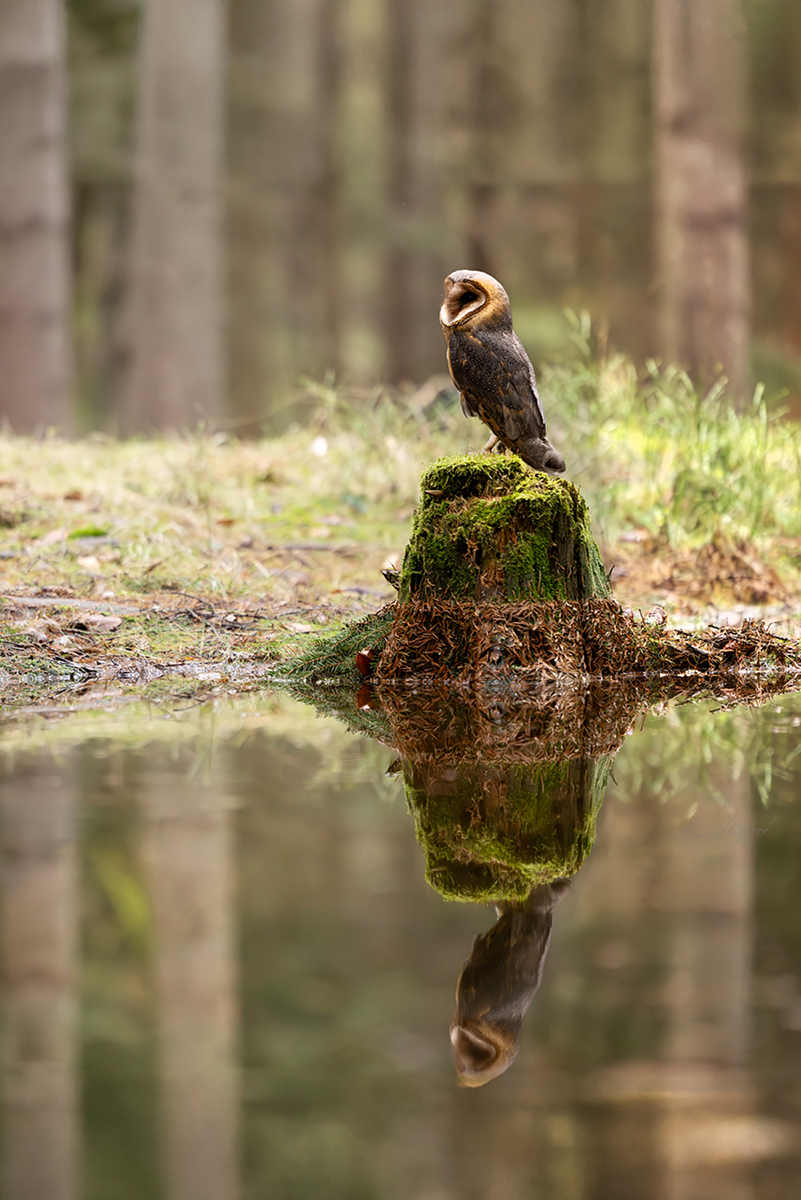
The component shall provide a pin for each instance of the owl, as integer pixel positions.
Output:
(498, 983)
(489, 365)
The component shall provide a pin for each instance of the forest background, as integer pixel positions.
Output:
(254, 193)
(237, 217)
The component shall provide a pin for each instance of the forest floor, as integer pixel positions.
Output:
(207, 558)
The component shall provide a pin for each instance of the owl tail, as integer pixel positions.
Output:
(541, 455)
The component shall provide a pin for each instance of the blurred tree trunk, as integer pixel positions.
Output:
(258, 354)
(398, 289)
(325, 215)
(189, 861)
(176, 308)
(35, 313)
(701, 188)
(491, 114)
(791, 231)
(39, 943)
(316, 296)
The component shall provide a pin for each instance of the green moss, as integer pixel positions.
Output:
(89, 531)
(488, 526)
(497, 833)
(332, 660)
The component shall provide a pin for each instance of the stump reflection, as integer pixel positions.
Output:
(505, 791)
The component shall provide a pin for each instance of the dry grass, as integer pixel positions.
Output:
(190, 547)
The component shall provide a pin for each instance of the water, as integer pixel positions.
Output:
(225, 974)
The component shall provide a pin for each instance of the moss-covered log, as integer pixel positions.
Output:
(488, 528)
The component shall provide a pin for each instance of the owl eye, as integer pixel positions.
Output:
(468, 298)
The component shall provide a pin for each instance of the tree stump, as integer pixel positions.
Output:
(488, 528)
(494, 581)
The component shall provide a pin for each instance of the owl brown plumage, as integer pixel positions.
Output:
(489, 365)
(498, 983)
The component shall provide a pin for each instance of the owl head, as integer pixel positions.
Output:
(483, 1051)
(474, 298)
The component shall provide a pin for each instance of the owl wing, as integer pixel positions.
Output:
(463, 400)
(496, 379)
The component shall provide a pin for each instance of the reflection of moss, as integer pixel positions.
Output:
(346, 704)
(488, 526)
(492, 833)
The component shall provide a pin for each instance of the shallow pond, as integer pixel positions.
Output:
(225, 973)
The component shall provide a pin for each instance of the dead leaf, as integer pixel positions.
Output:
(636, 536)
(90, 563)
(55, 535)
(75, 494)
(64, 643)
(298, 627)
(35, 632)
(335, 519)
(101, 621)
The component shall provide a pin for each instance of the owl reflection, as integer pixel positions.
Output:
(489, 365)
(498, 983)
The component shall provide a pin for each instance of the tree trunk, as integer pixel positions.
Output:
(326, 192)
(492, 112)
(188, 854)
(701, 188)
(35, 316)
(399, 290)
(176, 311)
(39, 942)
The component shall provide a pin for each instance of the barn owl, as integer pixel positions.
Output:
(489, 365)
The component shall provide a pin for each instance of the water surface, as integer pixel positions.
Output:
(225, 973)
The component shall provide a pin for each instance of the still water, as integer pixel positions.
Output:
(226, 975)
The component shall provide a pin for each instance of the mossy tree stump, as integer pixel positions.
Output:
(488, 528)
(500, 563)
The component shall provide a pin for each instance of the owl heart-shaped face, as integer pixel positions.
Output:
(471, 294)
(462, 299)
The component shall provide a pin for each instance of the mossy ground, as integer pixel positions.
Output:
(198, 551)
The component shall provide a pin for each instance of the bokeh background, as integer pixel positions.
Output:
(204, 204)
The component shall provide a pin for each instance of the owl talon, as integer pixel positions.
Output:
(492, 442)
